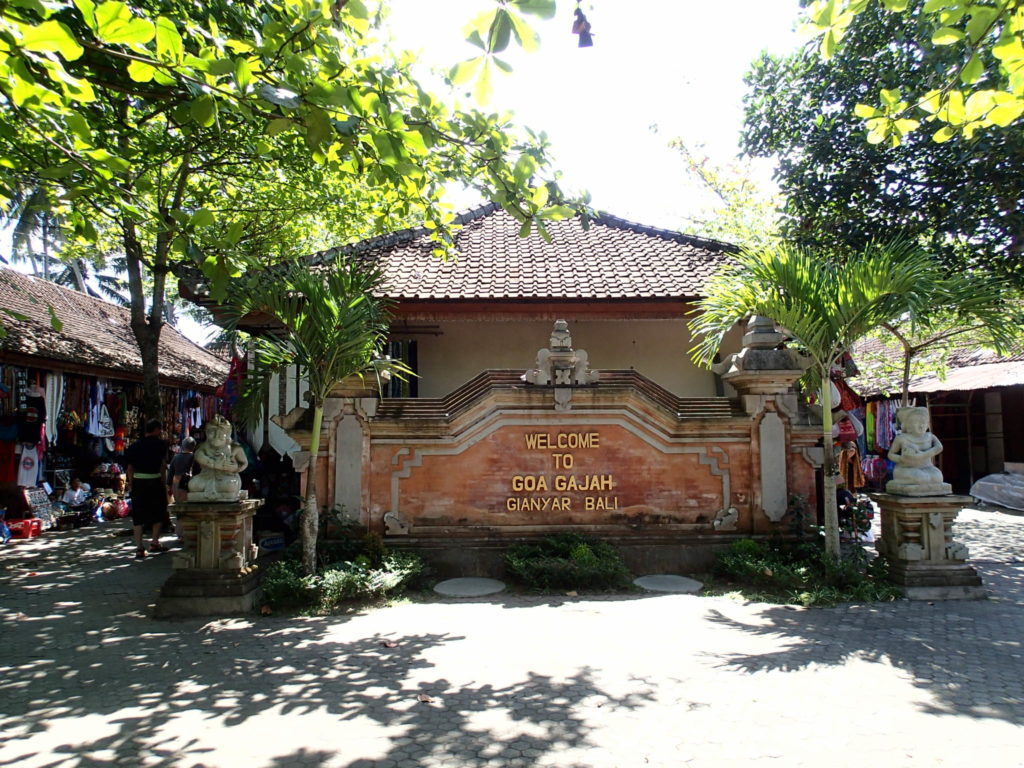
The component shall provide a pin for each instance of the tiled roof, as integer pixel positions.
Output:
(611, 259)
(95, 333)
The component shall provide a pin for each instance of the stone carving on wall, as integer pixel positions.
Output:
(727, 519)
(912, 452)
(561, 366)
(221, 461)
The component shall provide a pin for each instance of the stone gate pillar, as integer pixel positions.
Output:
(763, 376)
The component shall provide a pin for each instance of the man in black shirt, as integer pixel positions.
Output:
(146, 461)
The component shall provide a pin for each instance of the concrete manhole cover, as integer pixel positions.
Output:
(668, 583)
(469, 587)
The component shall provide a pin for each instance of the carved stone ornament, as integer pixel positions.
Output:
(561, 366)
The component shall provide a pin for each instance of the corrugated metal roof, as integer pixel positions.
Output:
(983, 376)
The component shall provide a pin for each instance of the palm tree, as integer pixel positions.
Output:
(332, 326)
(824, 306)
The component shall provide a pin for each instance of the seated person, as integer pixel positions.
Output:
(76, 495)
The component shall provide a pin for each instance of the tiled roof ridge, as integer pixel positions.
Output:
(398, 237)
(669, 234)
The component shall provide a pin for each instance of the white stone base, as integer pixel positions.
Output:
(897, 488)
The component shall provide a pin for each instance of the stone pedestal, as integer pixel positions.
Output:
(917, 540)
(215, 574)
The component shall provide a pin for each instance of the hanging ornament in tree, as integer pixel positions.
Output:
(581, 27)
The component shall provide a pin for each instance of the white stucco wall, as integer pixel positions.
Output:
(659, 349)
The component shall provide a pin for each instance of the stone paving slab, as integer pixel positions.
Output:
(667, 582)
(87, 679)
(469, 587)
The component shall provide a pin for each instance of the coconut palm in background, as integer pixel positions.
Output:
(332, 326)
(824, 306)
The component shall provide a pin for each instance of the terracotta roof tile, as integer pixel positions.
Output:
(94, 333)
(613, 258)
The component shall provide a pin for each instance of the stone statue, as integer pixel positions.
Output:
(912, 452)
(561, 365)
(221, 460)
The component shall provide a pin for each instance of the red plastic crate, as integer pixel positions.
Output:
(25, 529)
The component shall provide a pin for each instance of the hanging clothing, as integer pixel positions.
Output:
(31, 420)
(28, 466)
(850, 468)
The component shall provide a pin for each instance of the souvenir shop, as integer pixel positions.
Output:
(56, 426)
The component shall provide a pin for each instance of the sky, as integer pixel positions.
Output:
(674, 64)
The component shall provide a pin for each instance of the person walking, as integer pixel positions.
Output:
(181, 470)
(146, 461)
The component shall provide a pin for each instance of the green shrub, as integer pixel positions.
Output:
(567, 561)
(356, 577)
(285, 585)
(804, 574)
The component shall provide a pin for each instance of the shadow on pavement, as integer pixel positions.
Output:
(149, 686)
(969, 666)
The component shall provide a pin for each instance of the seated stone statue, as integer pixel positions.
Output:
(912, 452)
(221, 460)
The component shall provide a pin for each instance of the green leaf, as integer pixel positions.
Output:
(545, 9)
(947, 36)
(275, 127)
(524, 231)
(896, 6)
(557, 212)
(203, 111)
(524, 169)
(243, 73)
(88, 10)
(116, 25)
(79, 126)
(1006, 112)
(55, 322)
(58, 171)
(890, 96)
(944, 134)
(141, 72)
(539, 197)
(905, 126)
(112, 161)
(202, 218)
(526, 36)
(169, 46)
(972, 71)
(464, 71)
(221, 67)
(866, 111)
(500, 32)
(235, 232)
(828, 45)
(484, 88)
(51, 36)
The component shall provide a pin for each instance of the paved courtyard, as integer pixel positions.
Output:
(87, 679)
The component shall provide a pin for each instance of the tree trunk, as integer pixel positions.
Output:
(831, 507)
(908, 358)
(310, 523)
(146, 327)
